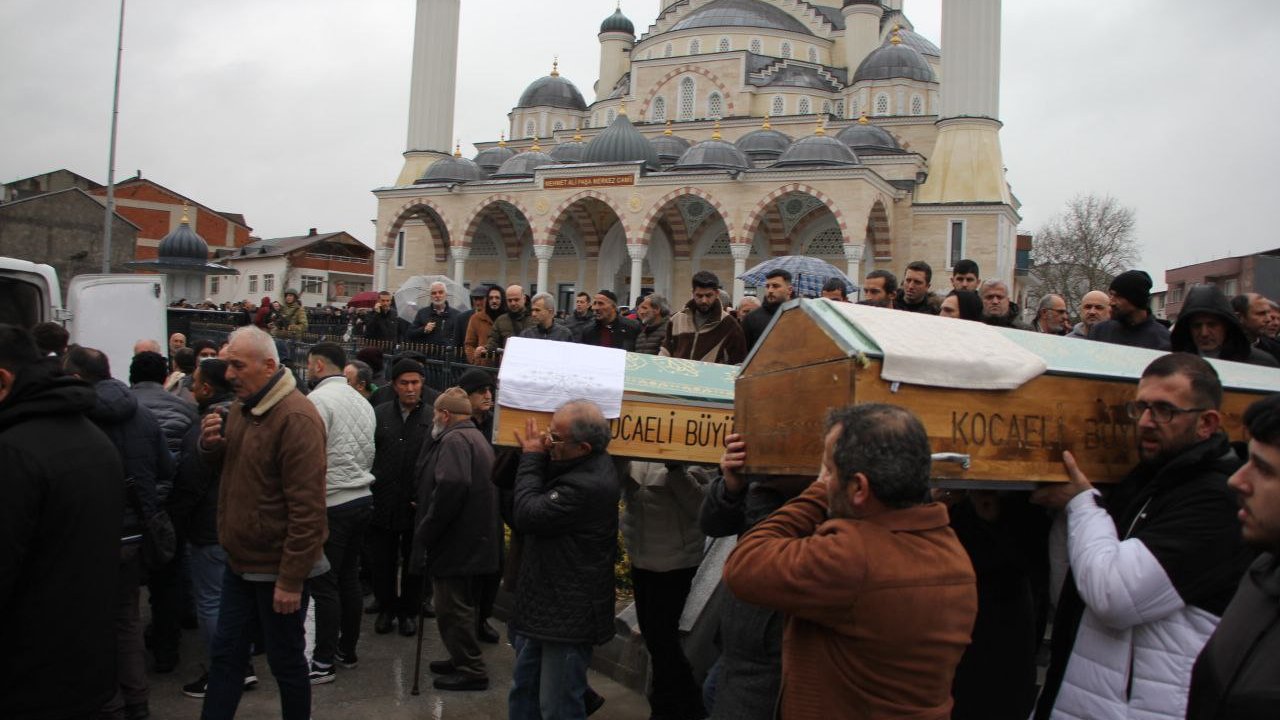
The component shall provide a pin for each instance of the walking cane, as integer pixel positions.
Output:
(417, 660)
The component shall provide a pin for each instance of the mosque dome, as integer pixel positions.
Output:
(863, 137)
(523, 164)
(617, 22)
(893, 61)
(764, 144)
(669, 146)
(818, 149)
(917, 42)
(183, 245)
(741, 13)
(713, 154)
(454, 169)
(621, 142)
(492, 158)
(570, 152)
(552, 91)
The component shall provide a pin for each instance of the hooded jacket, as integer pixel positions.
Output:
(1209, 300)
(140, 443)
(719, 340)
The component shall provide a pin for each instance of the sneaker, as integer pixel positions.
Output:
(346, 660)
(250, 678)
(196, 688)
(321, 674)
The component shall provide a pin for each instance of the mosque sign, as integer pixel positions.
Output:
(594, 181)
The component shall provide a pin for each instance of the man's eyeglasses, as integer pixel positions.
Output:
(1161, 412)
(555, 439)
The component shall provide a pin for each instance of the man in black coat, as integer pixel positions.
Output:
(60, 525)
(777, 290)
(610, 329)
(435, 324)
(403, 424)
(1208, 327)
(566, 508)
(1132, 322)
(382, 323)
(456, 537)
(1235, 676)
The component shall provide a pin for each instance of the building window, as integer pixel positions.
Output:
(756, 46)
(312, 284)
(955, 243)
(1231, 287)
(778, 108)
(803, 109)
(530, 129)
(268, 283)
(725, 46)
(659, 109)
(715, 106)
(253, 284)
(827, 243)
(214, 283)
(695, 46)
(400, 249)
(826, 107)
(611, 116)
(882, 104)
(686, 99)
(917, 105)
(840, 108)
(558, 126)
(813, 55)
(666, 52)
(786, 49)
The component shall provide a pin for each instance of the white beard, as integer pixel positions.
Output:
(437, 430)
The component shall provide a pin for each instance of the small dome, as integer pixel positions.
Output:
(818, 149)
(669, 146)
(741, 13)
(893, 61)
(765, 144)
(454, 169)
(621, 142)
(617, 22)
(570, 152)
(917, 42)
(714, 154)
(865, 138)
(523, 164)
(491, 159)
(552, 91)
(184, 244)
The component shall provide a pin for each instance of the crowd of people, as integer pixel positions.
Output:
(238, 494)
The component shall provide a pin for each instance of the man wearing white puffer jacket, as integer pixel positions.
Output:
(349, 425)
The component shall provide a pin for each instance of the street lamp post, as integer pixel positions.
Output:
(111, 153)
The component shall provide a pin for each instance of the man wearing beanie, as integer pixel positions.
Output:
(1131, 321)
(456, 536)
(610, 329)
(402, 426)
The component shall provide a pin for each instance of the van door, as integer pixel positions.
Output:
(112, 312)
(29, 293)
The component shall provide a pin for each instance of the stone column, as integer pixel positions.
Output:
(853, 261)
(543, 253)
(460, 255)
(740, 252)
(381, 267)
(637, 253)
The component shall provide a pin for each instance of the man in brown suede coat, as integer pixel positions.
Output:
(270, 450)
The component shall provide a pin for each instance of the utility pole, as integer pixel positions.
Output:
(111, 154)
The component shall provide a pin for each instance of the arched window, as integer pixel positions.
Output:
(611, 116)
(686, 99)
(917, 105)
(666, 52)
(756, 46)
(813, 54)
(530, 129)
(659, 109)
(826, 243)
(725, 46)
(882, 104)
(840, 108)
(715, 106)
(786, 49)
(695, 46)
(804, 106)
(778, 107)
(826, 107)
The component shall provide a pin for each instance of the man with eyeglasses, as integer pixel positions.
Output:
(1051, 316)
(1154, 564)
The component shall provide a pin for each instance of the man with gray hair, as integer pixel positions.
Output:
(436, 323)
(545, 327)
(997, 308)
(1095, 308)
(360, 377)
(654, 312)
(566, 510)
(1051, 316)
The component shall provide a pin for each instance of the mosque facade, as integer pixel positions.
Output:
(724, 133)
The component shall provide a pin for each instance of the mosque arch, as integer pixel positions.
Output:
(682, 221)
(507, 216)
(688, 71)
(614, 265)
(594, 215)
(770, 215)
(434, 220)
(878, 238)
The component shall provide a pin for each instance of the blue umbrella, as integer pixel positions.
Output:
(807, 274)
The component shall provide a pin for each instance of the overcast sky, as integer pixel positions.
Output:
(291, 111)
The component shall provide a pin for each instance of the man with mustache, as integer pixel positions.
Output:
(1154, 564)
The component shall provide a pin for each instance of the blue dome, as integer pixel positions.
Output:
(621, 142)
(617, 22)
(552, 91)
(184, 244)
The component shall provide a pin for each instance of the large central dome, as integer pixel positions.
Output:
(741, 13)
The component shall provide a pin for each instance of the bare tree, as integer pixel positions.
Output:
(1084, 248)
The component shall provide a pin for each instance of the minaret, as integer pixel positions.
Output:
(432, 87)
(617, 37)
(862, 31)
(967, 165)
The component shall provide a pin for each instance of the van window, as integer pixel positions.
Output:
(19, 303)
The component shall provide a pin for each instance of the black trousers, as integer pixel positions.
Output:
(337, 592)
(660, 598)
(397, 591)
(455, 602)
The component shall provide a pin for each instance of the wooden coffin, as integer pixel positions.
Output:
(672, 411)
(814, 357)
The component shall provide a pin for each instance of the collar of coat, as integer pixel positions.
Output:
(916, 518)
(277, 389)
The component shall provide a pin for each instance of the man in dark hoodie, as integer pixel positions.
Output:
(1209, 328)
(509, 325)
(777, 290)
(1131, 320)
(140, 444)
(60, 525)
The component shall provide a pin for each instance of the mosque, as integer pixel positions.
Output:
(727, 132)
